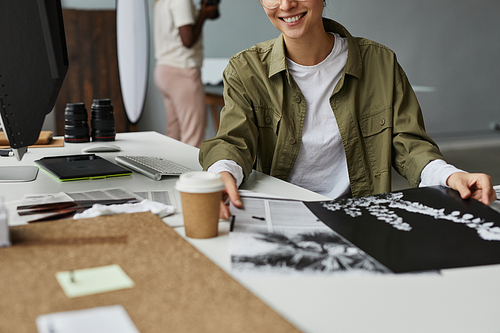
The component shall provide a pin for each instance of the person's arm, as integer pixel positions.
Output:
(230, 166)
(470, 185)
(436, 173)
(238, 135)
(413, 148)
(473, 185)
(231, 193)
(231, 183)
(191, 33)
(236, 141)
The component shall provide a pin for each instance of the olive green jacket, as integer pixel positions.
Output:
(377, 112)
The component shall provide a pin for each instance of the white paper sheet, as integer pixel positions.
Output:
(106, 319)
(283, 237)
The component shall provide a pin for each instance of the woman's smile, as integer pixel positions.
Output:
(298, 19)
(293, 19)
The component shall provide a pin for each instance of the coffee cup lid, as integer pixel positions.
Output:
(199, 182)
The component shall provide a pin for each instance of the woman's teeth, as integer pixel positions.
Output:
(292, 19)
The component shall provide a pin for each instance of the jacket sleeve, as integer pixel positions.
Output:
(237, 137)
(412, 148)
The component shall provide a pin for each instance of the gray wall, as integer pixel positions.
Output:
(449, 45)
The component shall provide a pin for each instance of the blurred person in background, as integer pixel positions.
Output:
(178, 42)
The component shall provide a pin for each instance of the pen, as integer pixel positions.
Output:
(231, 220)
(6, 152)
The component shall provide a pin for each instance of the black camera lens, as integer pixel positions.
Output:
(102, 120)
(76, 126)
(213, 3)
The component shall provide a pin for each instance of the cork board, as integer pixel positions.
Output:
(177, 288)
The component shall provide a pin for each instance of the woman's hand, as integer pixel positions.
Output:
(473, 185)
(230, 193)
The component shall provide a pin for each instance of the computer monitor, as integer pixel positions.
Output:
(33, 64)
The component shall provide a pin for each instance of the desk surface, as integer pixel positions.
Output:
(457, 300)
(137, 143)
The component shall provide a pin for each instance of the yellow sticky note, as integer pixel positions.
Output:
(90, 281)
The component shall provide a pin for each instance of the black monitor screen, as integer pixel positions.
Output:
(33, 64)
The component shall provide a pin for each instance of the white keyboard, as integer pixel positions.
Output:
(152, 167)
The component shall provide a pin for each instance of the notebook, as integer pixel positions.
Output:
(80, 167)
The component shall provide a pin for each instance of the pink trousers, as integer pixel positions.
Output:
(184, 98)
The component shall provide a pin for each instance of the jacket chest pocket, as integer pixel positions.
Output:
(376, 130)
(268, 123)
(267, 118)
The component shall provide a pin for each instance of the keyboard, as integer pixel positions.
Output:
(152, 167)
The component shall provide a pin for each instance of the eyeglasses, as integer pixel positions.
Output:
(272, 4)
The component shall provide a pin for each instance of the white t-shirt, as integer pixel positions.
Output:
(169, 16)
(321, 164)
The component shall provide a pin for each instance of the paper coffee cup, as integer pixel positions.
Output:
(200, 198)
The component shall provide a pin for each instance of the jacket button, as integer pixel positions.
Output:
(268, 120)
(382, 122)
(292, 141)
(297, 99)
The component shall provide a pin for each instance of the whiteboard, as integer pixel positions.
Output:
(132, 33)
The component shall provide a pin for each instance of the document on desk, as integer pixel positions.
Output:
(166, 197)
(273, 236)
(39, 199)
(496, 204)
(415, 230)
(105, 319)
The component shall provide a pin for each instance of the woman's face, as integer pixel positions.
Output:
(297, 19)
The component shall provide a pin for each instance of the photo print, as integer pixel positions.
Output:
(417, 229)
(282, 237)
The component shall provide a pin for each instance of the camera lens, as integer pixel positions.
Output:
(212, 3)
(102, 120)
(76, 127)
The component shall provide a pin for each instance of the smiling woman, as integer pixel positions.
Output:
(301, 23)
(326, 111)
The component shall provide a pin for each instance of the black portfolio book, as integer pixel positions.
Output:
(80, 167)
(417, 229)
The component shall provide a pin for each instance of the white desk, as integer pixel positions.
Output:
(459, 300)
(139, 143)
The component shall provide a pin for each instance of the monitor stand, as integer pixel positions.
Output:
(9, 174)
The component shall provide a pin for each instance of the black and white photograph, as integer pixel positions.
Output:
(282, 237)
(428, 228)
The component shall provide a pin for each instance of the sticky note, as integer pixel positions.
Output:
(90, 281)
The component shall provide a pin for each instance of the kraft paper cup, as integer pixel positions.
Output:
(201, 193)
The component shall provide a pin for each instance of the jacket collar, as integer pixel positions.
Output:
(353, 66)
(278, 56)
